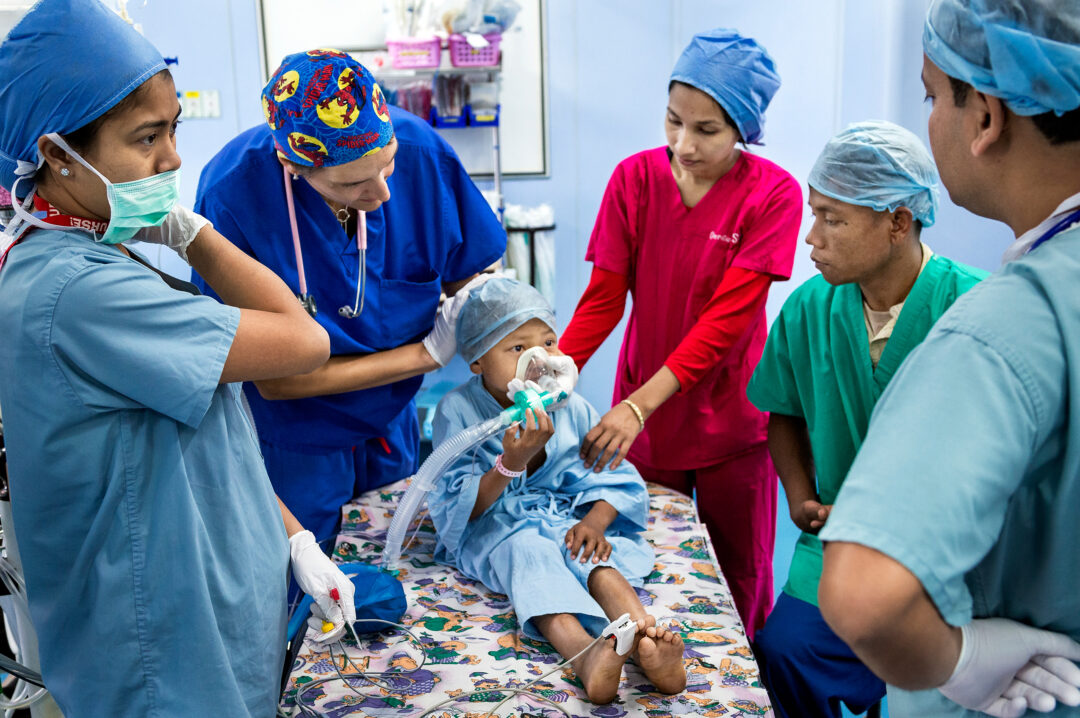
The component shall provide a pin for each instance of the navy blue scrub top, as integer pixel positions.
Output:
(437, 228)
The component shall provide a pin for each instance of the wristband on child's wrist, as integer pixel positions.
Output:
(501, 468)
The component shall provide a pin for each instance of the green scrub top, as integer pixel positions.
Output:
(816, 365)
(970, 472)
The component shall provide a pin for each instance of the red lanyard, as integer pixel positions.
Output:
(55, 216)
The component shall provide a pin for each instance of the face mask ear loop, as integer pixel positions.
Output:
(59, 142)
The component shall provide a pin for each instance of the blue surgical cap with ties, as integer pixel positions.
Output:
(65, 64)
(736, 72)
(1025, 52)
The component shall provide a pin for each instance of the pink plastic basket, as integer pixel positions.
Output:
(412, 52)
(462, 54)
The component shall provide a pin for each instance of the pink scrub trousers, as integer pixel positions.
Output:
(736, 500)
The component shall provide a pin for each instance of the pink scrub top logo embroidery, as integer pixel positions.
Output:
(726, 238)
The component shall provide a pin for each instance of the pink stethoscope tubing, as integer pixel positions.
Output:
(361, 246)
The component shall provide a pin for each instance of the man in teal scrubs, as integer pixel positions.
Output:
(836, 344)
(951, 562)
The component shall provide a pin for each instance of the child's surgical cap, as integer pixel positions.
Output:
(65, 64)
(493, 311)
(1026, 52)
(736, 72)
(880, 165)
(324, 109)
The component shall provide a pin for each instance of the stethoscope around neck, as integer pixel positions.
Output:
(306, 300)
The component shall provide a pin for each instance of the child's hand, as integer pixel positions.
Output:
(590, 540)
(524, 440)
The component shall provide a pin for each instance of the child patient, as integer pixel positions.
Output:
(524, 516)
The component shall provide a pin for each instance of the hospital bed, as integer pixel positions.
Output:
(471, 642)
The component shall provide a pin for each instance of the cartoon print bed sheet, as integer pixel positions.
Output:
(472, 641)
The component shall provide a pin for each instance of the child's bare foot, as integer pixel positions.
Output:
(660, 656)
(600, 670)
(643, 623)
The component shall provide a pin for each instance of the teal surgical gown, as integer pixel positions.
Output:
(970, 472)
(517, 546)
(816, 366)
(155, 557)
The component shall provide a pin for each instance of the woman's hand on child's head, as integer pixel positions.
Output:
(589, 540)
(525, 439)
(610, 440)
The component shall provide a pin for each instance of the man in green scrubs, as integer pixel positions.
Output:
(838, 341)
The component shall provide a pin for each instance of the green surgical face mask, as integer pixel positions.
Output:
(132, 205)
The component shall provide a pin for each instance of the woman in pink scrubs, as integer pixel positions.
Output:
(697, 231)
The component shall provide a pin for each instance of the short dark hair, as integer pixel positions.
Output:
(1057, 130)
(83, 138)
(727, 117)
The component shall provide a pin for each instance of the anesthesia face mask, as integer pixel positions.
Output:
(532, 364)
(550, 372)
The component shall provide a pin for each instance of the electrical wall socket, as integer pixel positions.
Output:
(200, 104)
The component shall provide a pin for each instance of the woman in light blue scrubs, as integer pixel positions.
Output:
(156, 554)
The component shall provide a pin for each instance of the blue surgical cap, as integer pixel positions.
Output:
(65, 64)
(736, 72)
(880, 165)
(1026, 52)
(495, 309)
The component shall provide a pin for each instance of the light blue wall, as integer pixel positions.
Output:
(217, 44)
(608, 66)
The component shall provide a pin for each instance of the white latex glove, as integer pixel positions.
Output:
(562, 375)
(517, 385)
(478, 281)
(441, 342)
(1006, 668)
(315, 624)
(317, 576)
(176, 232)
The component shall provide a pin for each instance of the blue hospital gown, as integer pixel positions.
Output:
(155, 556)
(970, 472)
(517, 546)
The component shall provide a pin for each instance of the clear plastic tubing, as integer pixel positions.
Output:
(435, 466)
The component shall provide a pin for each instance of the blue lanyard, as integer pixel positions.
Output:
(1071, 219)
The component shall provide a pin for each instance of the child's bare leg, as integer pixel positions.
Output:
(599, 668)
(615, 594)
(658, 651)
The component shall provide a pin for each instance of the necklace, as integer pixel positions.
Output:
(343, 216)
